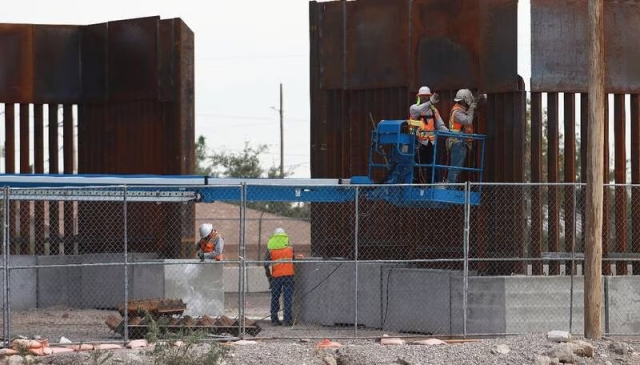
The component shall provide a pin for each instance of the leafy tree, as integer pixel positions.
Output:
(202, 155)
(246, 164)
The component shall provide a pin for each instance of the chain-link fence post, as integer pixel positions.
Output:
(465, 243)
(243, 253)
(126, 267)
(355, 258)
(573, 259)
(5, 267)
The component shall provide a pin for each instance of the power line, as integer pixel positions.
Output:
(213, 115)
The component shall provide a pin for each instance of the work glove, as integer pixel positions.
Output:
(435, 98)
(270, 282)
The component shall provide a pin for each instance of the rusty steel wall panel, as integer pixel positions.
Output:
(166, 59)
(498, 40)
(377, 43)
(446, 44)
(331, 23)
(182, 120)
(133, 59)
(559, 39)
(128, 78)
(16, 63)
(94, 62)
(56, 62)
(445, 41)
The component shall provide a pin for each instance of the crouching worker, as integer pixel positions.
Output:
(280, 275)
(211, 243)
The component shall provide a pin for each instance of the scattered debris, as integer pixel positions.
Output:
(559, 336)
(167, 315)
(429, 342)
(243, 342)
(391, 341)
(500, 349)
(328, 344)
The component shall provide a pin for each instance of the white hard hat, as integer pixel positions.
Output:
(278, 231)
(206, 229)
(424, 91)
(464, 95)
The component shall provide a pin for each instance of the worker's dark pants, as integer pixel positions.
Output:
(284, 285)
(423, 175)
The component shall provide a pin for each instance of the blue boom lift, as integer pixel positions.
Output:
(391, 156)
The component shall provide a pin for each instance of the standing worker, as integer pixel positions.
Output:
(424, 110)
(460, 121)
(211, 243)
(280, 275)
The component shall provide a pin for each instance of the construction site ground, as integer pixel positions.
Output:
(299, 344)
(88, 325)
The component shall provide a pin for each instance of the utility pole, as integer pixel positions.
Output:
(281, 137)
(595, 165)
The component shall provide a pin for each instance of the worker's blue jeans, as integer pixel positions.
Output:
(457, 155)
(284, 285)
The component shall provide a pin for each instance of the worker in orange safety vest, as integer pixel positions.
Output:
(460, 121)
(280, 273)
(424, 110)
(211, 243)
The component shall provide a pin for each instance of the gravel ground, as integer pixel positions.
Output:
(297, 345)
(525, 349)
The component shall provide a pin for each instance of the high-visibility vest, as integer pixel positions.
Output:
(207, 244)
(426, 129)
(457, 127)
(279, 249)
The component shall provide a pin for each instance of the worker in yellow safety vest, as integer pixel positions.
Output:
(279, 270)
(426, 117)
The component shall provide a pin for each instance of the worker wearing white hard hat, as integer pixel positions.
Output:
(426, 118)
(460, 121)
(279, 269)
(211, 243)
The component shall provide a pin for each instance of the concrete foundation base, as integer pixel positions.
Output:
(97, 281)
(401, 298)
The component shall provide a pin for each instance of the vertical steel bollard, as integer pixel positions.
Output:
(355, 257)
(5, 269)
(126, 267)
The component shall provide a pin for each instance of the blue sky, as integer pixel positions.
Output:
(243, 51)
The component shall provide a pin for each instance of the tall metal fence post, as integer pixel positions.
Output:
(465, 274)
(355, 257)
(243, 253)
(573, 259)
(126, 265)
(5, 268)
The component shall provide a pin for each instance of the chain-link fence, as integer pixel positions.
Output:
(98, 264)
